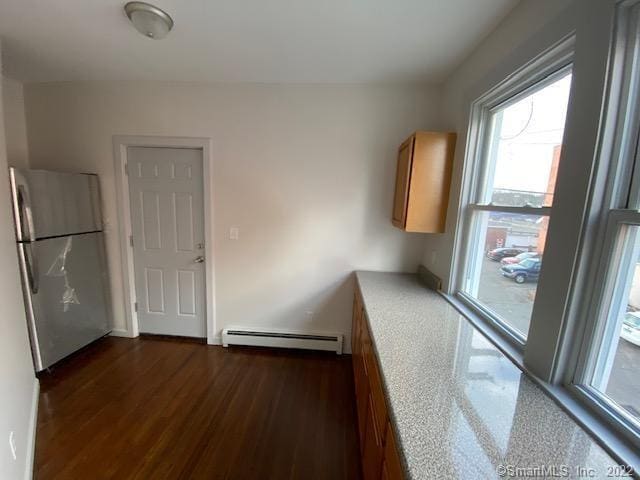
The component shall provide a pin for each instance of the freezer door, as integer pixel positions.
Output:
(48, 204)
(67, 294)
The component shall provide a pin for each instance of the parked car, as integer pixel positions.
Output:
(631, 328)
(498, 254)
(526, 270)
(519, 258)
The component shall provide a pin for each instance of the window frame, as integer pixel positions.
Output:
(558, 325)
(542, 71)
(616, 205)
(598, 327)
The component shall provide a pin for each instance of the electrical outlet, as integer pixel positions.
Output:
(234, 233)
(309, 314)
(12, 445)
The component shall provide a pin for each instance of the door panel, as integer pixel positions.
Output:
(183, 212)
(150, 209)
(76, 208)
(186, 290)
(69, 294)
(167, 215)
(154, 290)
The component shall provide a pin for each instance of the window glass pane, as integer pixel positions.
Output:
(617, 370)
(524, 147)
(505, 257)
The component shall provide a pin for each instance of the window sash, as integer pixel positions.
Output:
(525, 210)
(472, 269)
(628, 99)
(607, 297)
(507, 331)
(546, 68)
(488, 123)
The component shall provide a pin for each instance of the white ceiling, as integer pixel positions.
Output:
(271, 41)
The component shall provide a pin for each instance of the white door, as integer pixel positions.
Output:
(166, 194)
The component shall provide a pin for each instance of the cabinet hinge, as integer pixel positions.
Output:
(135, 306)
(126, 168)
(131, 240)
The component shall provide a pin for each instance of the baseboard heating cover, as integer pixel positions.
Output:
(269, 337)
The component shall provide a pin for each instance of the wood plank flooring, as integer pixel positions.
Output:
(160, 409)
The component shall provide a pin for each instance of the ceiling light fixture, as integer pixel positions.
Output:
(149, 20)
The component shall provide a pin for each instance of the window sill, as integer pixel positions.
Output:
(602, 432)
(497, 337)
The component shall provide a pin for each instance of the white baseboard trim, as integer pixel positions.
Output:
(121, 332)
(33, 427)
(217, 340)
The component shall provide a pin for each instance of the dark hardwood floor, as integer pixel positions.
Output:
(162, 409)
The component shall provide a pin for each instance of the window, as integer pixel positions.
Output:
(512, 189)
(607, 373)
(547, 247)
(612, 370)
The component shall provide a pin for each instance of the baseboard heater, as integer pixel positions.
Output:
(282, 338)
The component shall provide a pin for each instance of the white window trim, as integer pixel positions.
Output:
(541, 71)
(616, 199)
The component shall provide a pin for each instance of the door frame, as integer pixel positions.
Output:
(123, 204)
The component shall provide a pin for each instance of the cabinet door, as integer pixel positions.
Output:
(430, 181)
(375, 386)
(373, 450)
(403, 173)
(385, 472)
(392, 467)
(359, 371)
(362, 396)
(355, 325)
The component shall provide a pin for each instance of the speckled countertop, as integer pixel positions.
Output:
(460, 408)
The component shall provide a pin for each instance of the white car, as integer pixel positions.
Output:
(631, 328)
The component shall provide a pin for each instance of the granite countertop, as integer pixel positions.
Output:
(460, 408)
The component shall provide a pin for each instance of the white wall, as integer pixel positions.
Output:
(18, 385)
(305, 171)
(505, 49)
(15, 125)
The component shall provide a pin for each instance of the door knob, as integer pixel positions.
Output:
(199, 259)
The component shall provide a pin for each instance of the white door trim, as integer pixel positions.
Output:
(120, 144)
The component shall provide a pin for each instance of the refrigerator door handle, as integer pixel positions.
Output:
(29, 306)
(32, 268)
(25, 212)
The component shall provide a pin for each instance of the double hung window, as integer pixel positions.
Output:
(511, 195)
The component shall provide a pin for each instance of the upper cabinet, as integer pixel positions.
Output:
(423, 179)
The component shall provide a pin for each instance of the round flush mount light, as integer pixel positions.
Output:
(149, 20)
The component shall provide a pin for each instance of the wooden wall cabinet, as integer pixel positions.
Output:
(423, 180)
(380, 459)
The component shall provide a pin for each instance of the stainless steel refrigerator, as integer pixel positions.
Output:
(62, 261)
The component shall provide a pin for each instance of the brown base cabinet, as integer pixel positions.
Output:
(380, 459)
